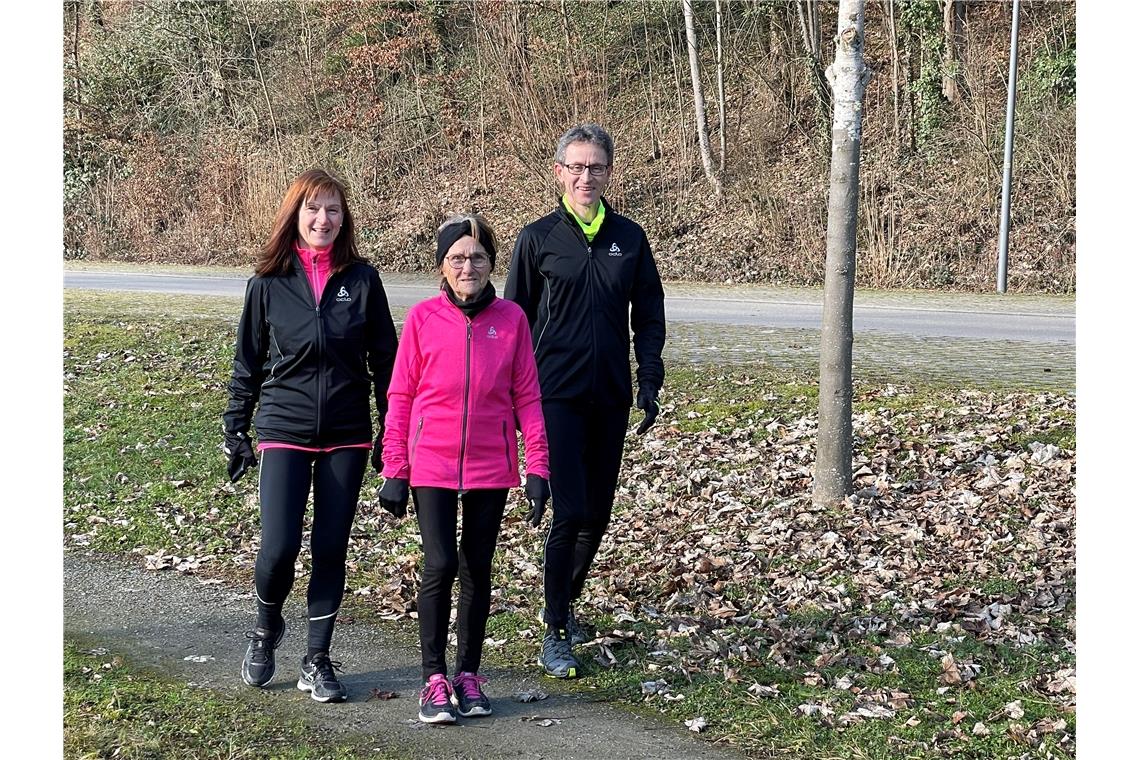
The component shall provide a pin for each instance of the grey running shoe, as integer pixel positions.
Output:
(258, 666)
(469, 696)
(318, 677)
(578, 634)
(556, 659)
(435, 701)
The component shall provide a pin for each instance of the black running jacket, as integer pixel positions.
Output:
(312, 365)
(582, 298)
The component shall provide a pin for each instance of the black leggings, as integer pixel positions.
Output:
(286, 476)
(586, 443)
(437, 514)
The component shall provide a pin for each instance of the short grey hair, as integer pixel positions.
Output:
(476, 226)
(592, 134)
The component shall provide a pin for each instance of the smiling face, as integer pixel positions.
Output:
(583, 190)
(319, 219)
(471, 277)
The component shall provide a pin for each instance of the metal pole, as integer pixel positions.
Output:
(1003, 238)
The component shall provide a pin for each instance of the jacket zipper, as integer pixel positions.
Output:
(506, 446)
(416, 439)
(321, 375)
(466, 390)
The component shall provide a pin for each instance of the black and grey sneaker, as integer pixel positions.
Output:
(556, 659)
(469, 696)
(578, 634)
(435, 701)
(318, 677)
(258, 666)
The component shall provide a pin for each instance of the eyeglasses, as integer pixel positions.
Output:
(596, 170)
(478, 261)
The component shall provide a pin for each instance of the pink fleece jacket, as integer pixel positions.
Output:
(456, 389)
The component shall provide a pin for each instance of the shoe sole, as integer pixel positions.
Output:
(475, 712)
(571, 672)
(248, 679)
(441, 718)
(313, 694)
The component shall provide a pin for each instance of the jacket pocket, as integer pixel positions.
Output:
(415, 441)
(507, 447)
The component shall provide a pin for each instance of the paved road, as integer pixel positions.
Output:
(970, 316)
(181, 627)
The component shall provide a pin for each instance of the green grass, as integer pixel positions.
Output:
(114, 710)
(143, 474)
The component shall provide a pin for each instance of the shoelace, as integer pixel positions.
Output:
(436, 692)
(262, 645)
(325, 668)
(469, 684)
(560, 646)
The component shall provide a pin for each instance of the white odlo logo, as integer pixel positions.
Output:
(614, 250)
(342, 295)
(491, 333)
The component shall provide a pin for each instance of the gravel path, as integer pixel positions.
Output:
(192, 630)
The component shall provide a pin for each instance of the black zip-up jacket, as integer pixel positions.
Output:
(312, 365)
(582, 298)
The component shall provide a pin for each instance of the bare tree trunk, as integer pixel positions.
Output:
(953, 13)
(892, 34)
(808, 12)
(698, 95)
(848, 77)
(261, 78)
(570, 61)
(720, 84)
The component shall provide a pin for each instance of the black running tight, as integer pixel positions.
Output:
(285, 479)
(586, 443)
(437, 514)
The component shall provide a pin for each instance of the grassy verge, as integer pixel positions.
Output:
(113, 710)
(930, 615)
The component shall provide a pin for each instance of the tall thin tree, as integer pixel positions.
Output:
(698, 95)
(848, 77)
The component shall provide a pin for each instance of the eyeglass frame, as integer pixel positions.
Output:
(485, 261)
(587, 168)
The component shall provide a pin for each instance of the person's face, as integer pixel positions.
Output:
(470, 277)
(319, 220)
(584, 189)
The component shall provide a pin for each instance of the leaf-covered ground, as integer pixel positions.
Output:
(932, 614)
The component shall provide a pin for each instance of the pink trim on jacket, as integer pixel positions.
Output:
(317, 263)
(431, 437)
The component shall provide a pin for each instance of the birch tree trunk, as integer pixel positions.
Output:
(698, 96)
(848, 77)
(720, 85)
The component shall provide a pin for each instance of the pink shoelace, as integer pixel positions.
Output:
(436, 691)
(469, 683)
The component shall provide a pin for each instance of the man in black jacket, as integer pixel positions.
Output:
(585, 275)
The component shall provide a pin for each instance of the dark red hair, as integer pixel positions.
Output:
(276, 256)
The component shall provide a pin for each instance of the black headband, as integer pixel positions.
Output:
(453, 232)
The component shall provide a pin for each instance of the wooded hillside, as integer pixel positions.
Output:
(185, 121)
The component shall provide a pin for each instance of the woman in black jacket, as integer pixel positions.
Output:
(314, 339)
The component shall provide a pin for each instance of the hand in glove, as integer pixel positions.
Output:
(378, 451)
(394, 496)
(537, 494)
(647, 401)
(237, 447)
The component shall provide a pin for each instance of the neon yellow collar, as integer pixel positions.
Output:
(592, 228)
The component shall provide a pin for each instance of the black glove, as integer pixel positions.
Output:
(237, 447)
(378, 451)
(394, 496)
(537, 494)
(647, 401)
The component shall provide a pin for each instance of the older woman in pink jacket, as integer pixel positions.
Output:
(464, 374)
